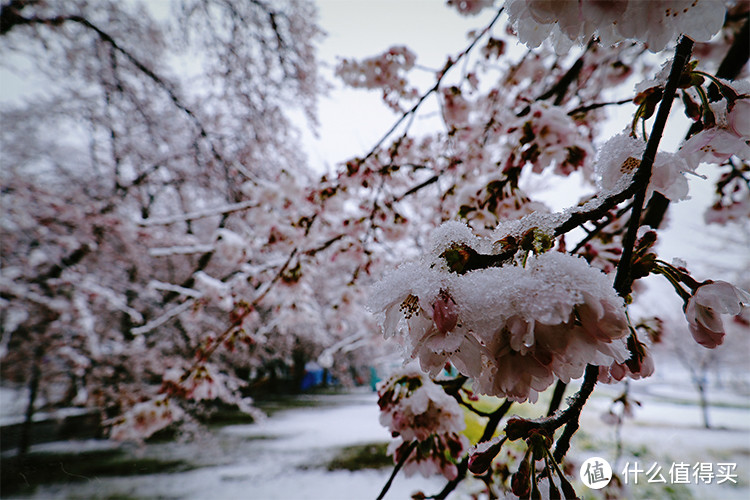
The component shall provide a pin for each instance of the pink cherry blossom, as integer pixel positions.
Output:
(414, 407)
(144, 419)
(704, 309)
(437, 455)
(655, 23)
(619, 158)
(729, 137)
(515, 329)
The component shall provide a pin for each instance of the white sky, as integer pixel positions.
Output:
(352, 121)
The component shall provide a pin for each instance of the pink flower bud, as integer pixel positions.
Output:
(483, 454)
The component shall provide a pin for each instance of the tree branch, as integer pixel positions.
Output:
(397, 468)
(623, 279)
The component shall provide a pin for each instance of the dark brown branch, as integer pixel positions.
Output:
(557, 396)
(736, 58)
(597, 105)
(730, 67)
(419, 186)
(561, 87)
(463, 466)
(397, 468)
(573, 412)
(623, 280)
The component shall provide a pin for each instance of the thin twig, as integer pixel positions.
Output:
(448, 65)
(397, 468)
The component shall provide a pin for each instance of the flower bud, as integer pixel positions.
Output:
(520, 482)
(519, 428)
(483, 455)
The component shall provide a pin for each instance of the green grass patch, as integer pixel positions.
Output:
(359, 457)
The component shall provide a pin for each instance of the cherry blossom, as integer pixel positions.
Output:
(618, 159)
(439, 454)
(728, 138)
(386, 71)
(549, 138)
(639, 365)
(656, 22)
(146, 418)
(705, 307)
(514, 328)
(414, 407)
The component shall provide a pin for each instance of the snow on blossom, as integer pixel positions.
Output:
(516, 328)
(656, 22)
(214, 290)
(704, 309)
(230, 246)
(144, 419)
(619, 158)
(542, 322)
(414, 407)
(550, 138)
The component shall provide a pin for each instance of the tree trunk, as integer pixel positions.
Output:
(36, 372)
(701, 385)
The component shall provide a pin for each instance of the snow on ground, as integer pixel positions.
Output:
(284, 456)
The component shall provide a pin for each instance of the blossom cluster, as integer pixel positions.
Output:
(514, 329)
(146, 418)
(656, 22)
(414, 408)
(385, 71)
